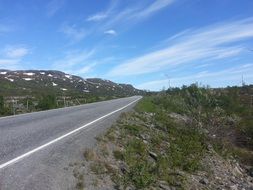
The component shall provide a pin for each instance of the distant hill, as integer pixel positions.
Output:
(37, 82)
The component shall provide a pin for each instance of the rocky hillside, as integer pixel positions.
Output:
(41, 81)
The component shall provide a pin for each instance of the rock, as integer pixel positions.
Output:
(153, 155)
(142, 136)
(163, 185)
(123, 168)
(204, 181)
(233, 187)
(152, 126)
(113, 167)
(237, 170)
(209, 147)
(251, 172)
(179, 117)
(233, 179)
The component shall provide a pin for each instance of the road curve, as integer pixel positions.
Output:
(35, 148)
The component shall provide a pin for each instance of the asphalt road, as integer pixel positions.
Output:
(35, 148)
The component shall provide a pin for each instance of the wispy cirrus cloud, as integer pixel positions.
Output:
(74, 33)
(11, 56)
(137, 12)
(73, 58)
(231, 76)
(111, 32)
(13, 64)
(217, 41)
(76, 61)
(97, 17)
(8, 62)
(116, 16)
(16, 51)
(151, 9)
(87, 69)
(54, 6)
(82, 62)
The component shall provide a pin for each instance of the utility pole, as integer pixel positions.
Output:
(13, 107)
(64, 99)
(27, 103)
(243, 83)
(251, 101)
(168, 77)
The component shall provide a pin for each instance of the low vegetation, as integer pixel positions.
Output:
(179, 139)
(45, 101)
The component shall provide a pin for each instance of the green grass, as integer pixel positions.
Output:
(132, 129)
(146, 105)
(98, 168)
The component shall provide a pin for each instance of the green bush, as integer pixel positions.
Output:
(118, 155)
(47, 102)
(4, 110)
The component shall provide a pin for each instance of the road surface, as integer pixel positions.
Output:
(35, 148)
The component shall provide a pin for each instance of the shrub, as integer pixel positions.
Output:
(47, 102)
(146, 105)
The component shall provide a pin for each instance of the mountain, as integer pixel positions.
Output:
(37, 82)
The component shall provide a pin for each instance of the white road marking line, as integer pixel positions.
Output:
(15, 160)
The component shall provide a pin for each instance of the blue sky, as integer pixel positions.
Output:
(146, 43)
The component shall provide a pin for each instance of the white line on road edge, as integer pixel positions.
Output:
(61, 137)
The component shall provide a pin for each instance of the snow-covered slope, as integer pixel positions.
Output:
(41, 81)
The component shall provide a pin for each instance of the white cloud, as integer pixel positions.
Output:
(15, 51)
(8, 61)
(152, 8)
(81, 62)
(74, 33)
(231, 76)
(97, 17)
(116, 15)
(103, 15)
(12, 64)
(73, 58)
(213, 42)
(111, 32)
(54, 6)
(12, 56)
(136, 13)
(86, 69)
(4, 29)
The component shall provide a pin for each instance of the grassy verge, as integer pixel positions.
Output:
(150, 148)
(166, 138)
